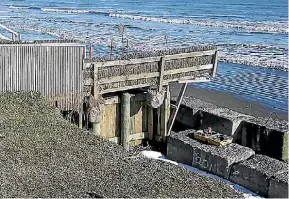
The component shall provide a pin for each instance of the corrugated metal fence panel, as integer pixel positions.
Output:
(54, 69)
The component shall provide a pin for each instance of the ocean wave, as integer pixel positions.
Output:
(270, 27)
(22, 7)
(75, 11)
(18, 7)
(267, 56)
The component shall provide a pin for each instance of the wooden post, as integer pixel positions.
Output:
(165, 114)
(176, 109)
(90, 50)
(80, 116)
(162, 70)
(96, 129)
(95, 126)
(125, 120)
(215, 64)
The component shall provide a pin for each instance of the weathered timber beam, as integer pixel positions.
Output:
(153, 59)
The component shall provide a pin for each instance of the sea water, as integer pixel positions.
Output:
(247, 32)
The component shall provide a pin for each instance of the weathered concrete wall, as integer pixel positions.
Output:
(278, 186)
(255, 174)
(256, 133)
(214, 159)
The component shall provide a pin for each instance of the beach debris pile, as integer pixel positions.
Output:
(43, 155)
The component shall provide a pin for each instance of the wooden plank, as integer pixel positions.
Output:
(196, 80)
(175, 111)
(125, 120)
(111, 90)
(153, 59)
(109, 124)
(127, 62)
(191, 54)
(189, 69)
(128, 78)
(161, 74)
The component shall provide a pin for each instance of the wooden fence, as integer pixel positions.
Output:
(54, 69)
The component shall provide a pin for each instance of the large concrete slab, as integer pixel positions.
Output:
(255, 173)
(278, 186)
(214, 159)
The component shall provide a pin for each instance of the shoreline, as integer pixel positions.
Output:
(227, 100)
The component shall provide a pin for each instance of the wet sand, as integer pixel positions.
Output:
(227, 100)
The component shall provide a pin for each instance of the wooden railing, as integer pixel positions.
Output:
(14, 34)
(120, 75)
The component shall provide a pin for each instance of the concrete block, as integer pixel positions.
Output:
(220, 124)
(278, 186)
(214, 159)
(263, 140)
(187, 117)
(277, 141)
(201, 119)
(179, 151)
(255, 173)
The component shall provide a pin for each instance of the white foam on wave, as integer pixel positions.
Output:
(63, 10)
(18, 7)
(74, 11)
(248, 54)
(260, 26)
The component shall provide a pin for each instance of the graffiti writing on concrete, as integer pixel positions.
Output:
(202, 162)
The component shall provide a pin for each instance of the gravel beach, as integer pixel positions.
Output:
(42, 155)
